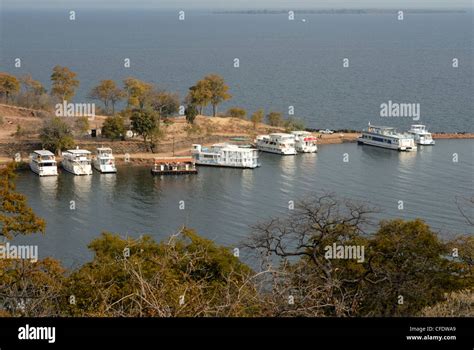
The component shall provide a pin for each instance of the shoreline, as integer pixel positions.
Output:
(146, 158)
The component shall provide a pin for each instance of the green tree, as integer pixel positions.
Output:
(218, 91)
(108, 93)
(200, 95)
(165, 103)
(144, 123)
(257, 118)
(64, 83)
(137, 92)
(292, 124)
(33, 90)
(413, 267)
(81, 125)
(16, 217)
(185, 276)
(113, 128)
(9, 86)
(56, 135)
(191, 113)
(404, 269)
(275, 119)
(237, 112)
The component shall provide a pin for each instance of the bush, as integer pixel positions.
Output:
(113, 128)
(236, 112)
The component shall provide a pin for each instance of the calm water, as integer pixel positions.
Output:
(282, 63)
(222, 203)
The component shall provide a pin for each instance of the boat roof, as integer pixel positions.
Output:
(382, 127)
(280, 134)
(418, 126)
(160, 160)
(44, 153)
(104, 149)
(78, 151)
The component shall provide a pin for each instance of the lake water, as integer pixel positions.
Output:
(222, 204)
(282, 63)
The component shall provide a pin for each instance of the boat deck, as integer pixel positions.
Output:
(173, 172)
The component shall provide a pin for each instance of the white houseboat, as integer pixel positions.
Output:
(77, 161)
(279, 143)
(226, 155)
(43, 163)
(305, 142)
(104, 161)
(421, 135)
(387, 137)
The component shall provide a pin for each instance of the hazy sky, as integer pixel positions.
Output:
(237, 3)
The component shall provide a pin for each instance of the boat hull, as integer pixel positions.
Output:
(307, 149)
(200, 163)
(78, 170)
(385, 145)
(426, 143)
(289, 152)
(105, 168)
(44, 171)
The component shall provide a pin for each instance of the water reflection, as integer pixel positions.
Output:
(82, 186)
(48, 186)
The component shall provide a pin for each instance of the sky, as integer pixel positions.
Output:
(236, 4)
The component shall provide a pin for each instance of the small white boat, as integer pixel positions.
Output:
(226, 155)
(387, 137)
(279, 143)
(421, 135)
(77, 161)
(43, 163)
(305, 142)
(104, 161)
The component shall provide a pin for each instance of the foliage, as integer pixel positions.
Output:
(405, 268)
(236, 112)
(257, 117)
(457, 304)
(145, 124)
(275, 119)
(64, 83)
(137, 92)
(218, 91)
(186, 276)
(292, 124)
(15, 215)
(166, 104)
(9, 86)
(113, 128)
(81, 125)
(191, 113)
(56, 135)
(108, 93)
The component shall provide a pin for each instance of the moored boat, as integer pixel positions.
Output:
(43, 163)
(77, 162)
(387, 137)
(226, 155)
(421, 135)
(104, 161)
(279, 143)
(305, 142)
(174, 166)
